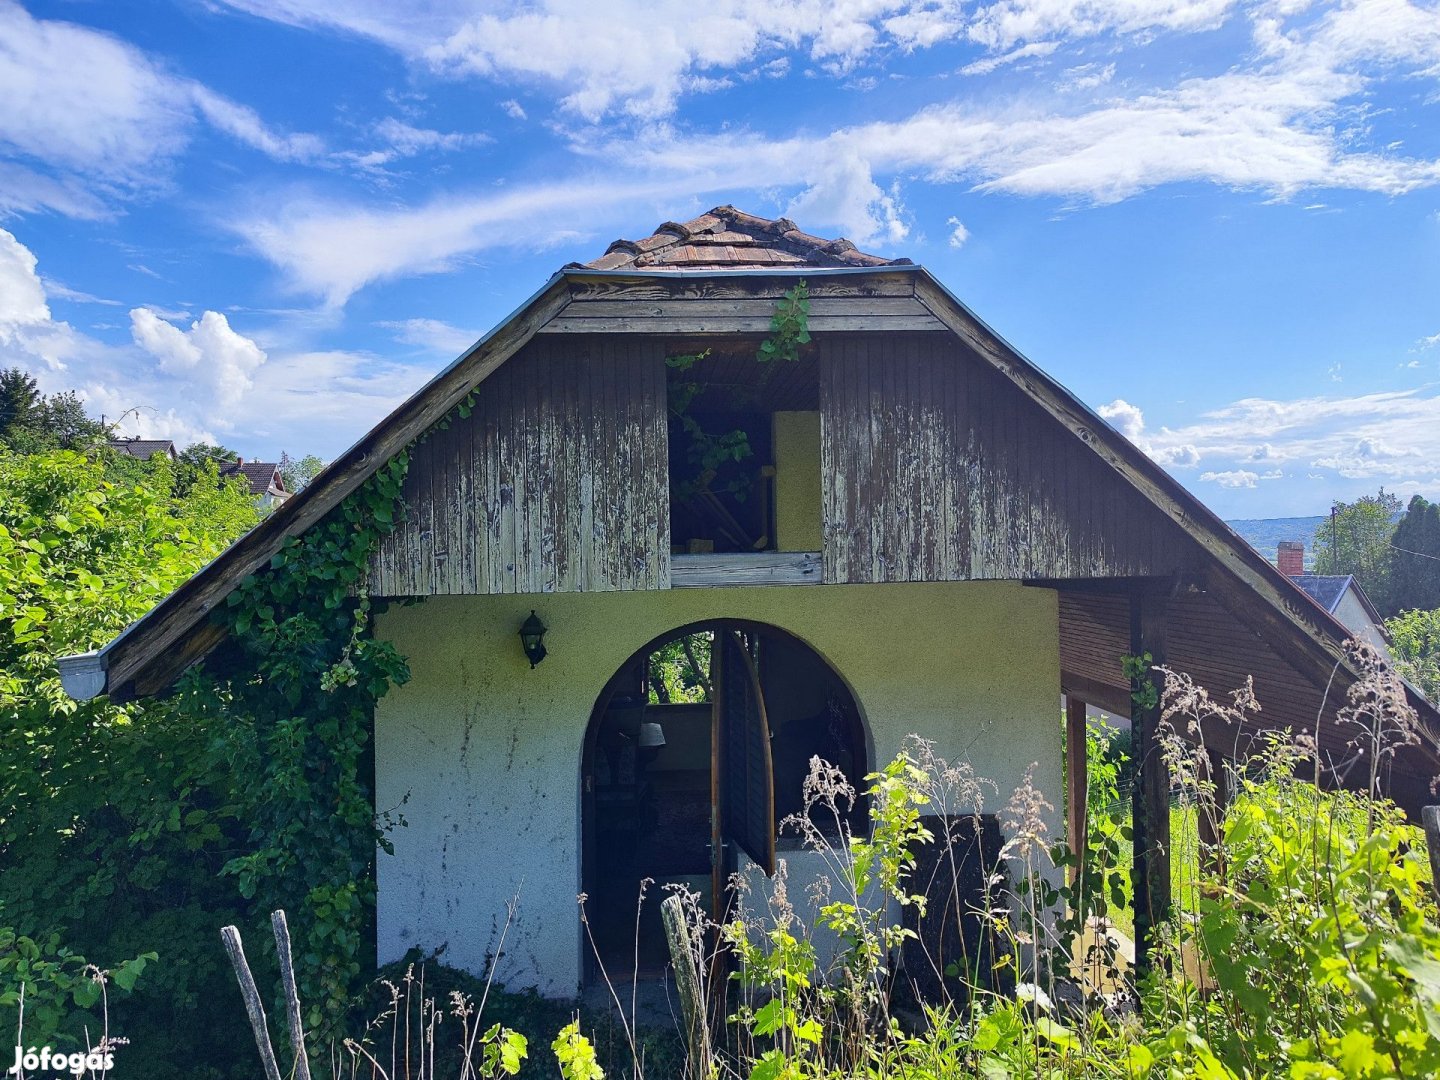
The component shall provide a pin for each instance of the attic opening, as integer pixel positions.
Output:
(744, 449)
(696, 752)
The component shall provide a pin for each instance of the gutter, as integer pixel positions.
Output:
(83, 676)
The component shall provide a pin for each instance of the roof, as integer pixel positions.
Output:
(143, 448)
(177, 632)
(730, 239)
(262, 476)
(1327, 590)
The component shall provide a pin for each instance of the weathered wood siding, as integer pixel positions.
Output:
(936, 468)
(557, 481)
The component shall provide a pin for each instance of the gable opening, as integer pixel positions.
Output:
(696, 752)
(744, 450)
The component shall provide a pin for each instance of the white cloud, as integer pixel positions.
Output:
(205, 383)
(1087, 76)
(985, 65)
(1183, 457)
(1231, 478)
(210, 354)
(1429, 342)
(958, 232)
(1004, 24)
(513, 109)
(432, 334)
(403, 140)
(1127, 418)
(91, 117)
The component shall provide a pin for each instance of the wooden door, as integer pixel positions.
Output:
(742, 782)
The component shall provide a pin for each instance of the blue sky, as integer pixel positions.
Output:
(265, 222)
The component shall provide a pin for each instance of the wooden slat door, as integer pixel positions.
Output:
(742, 781)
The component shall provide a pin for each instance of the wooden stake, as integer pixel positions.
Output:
(1430, 816)
(231, 936)
(687, 984)
(1150, 828)
(292, 995)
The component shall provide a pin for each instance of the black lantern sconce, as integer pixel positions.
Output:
(532, 639)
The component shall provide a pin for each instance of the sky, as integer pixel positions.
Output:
(265, 223)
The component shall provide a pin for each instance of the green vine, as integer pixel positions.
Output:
(789, 330)
(291, 701)
(1144, 694)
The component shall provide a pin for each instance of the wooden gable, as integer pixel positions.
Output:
(556, 481)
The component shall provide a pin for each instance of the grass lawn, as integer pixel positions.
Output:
(1184, 862)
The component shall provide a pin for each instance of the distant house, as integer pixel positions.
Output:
(144, 449)
(264, 477)
(1339, 594)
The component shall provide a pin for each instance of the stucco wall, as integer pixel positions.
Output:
(484, 754)
(1353, 616)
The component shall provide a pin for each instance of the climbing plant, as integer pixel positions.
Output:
(707, 453)
(291, 700)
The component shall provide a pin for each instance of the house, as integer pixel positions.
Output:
(1339, 594)
(263, 478)
(145, 449)
(928, 535)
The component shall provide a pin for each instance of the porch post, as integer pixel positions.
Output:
(1077, 778)
(1150, 797)
(1211, 824)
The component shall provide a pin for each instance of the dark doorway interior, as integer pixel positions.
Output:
(649, 775)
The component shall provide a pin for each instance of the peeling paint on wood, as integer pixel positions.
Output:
(936, 469)
(557, 481)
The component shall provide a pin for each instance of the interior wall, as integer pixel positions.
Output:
(482, 755)
(797, 481)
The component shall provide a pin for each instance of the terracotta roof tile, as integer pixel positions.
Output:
(730, 239)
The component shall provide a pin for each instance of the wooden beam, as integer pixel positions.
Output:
(884, 281)
(745, 568)
(1113, 699)
(1150, 795)
(1077, 781)
(701, 324)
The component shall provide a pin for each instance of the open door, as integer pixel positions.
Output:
(742, 784)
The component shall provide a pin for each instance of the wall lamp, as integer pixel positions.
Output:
(532, 639)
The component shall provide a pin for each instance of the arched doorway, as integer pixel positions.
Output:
(696, 751)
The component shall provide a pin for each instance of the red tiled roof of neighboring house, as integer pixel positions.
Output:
(730, 239)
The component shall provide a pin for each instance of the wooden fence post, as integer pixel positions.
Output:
(231, 936)
(1430, 817)
(292, 995)
(687, 984)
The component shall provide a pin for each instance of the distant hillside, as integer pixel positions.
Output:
(1265, 534)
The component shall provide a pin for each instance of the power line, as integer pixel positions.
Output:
(1422, 554)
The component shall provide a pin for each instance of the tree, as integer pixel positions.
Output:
(1415, 644)
(1356, 541)
(32, 423)
(1415, 559)
(114, 819)
(299, 473)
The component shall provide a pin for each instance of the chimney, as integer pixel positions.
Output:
(1290, 558)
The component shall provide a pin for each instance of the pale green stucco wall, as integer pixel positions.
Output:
(485, 753)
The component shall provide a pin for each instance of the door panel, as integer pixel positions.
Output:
(742, 771)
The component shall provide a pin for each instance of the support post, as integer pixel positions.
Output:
(1430, 818)
(1150, 797)
(1077, 777)
(1211, 823)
